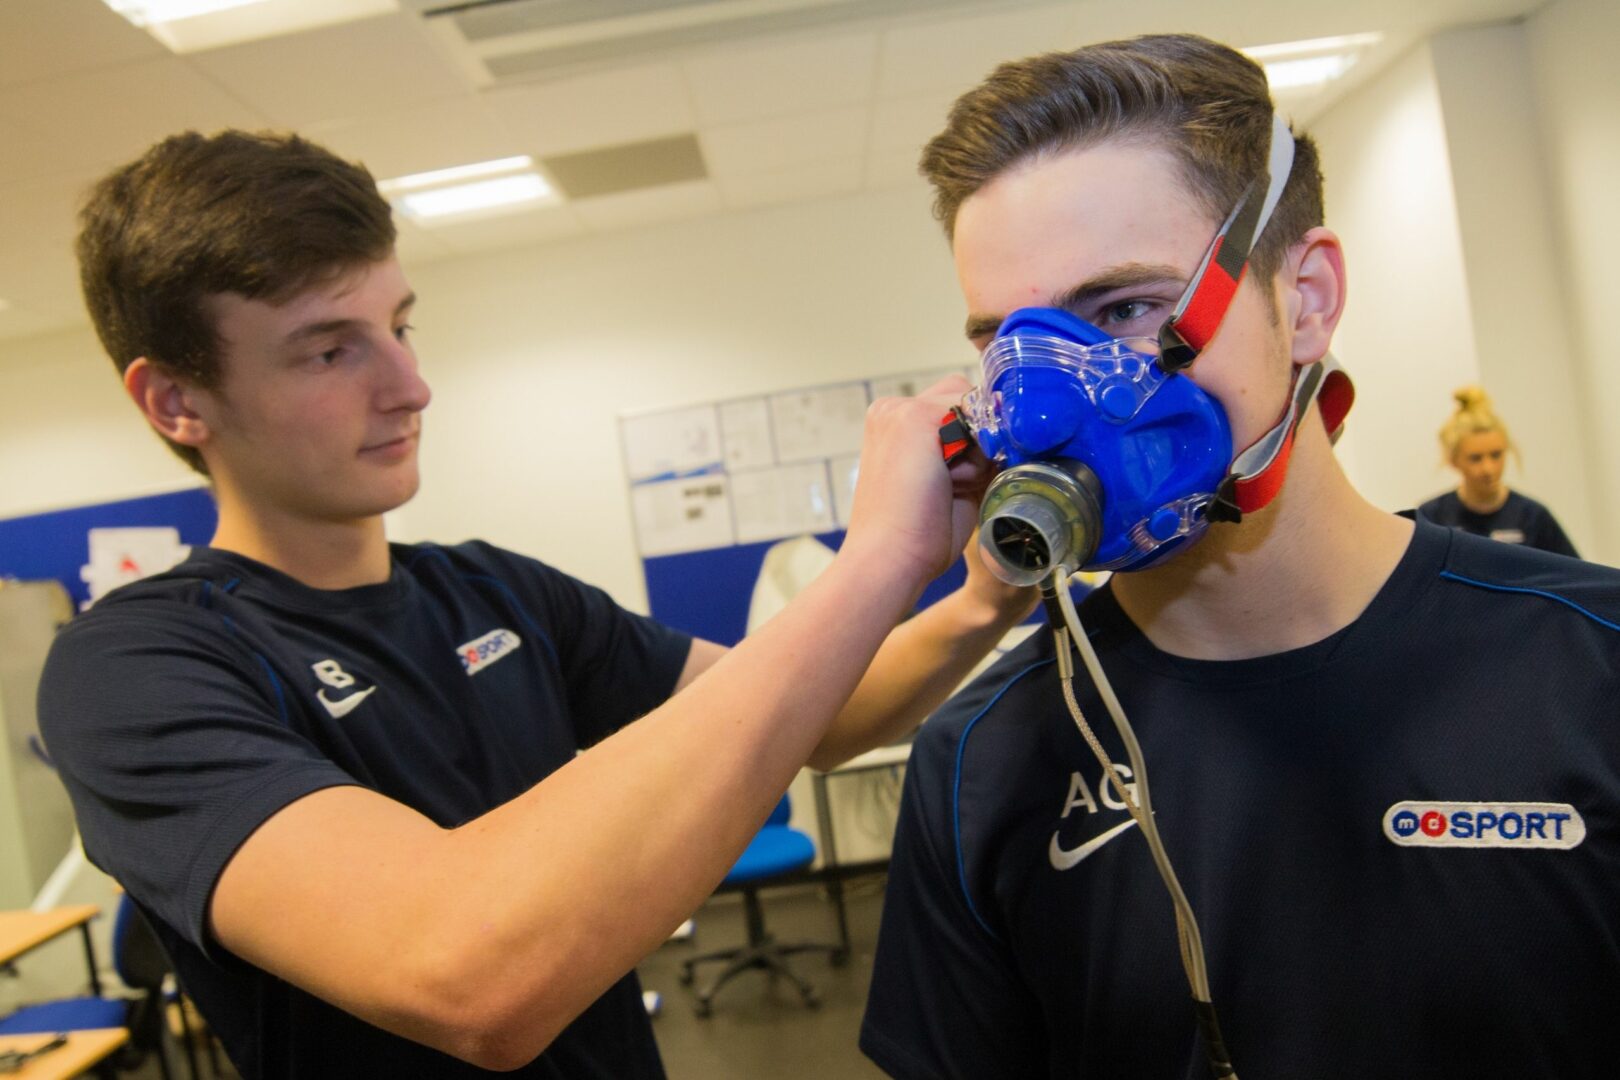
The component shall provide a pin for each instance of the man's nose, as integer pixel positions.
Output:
(404, 387)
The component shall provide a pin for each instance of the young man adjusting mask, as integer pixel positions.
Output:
(344, 778)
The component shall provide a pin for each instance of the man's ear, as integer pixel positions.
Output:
(166, 402)
(1315, 296)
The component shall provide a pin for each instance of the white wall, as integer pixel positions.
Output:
(67, 433)
(532, 354)
(1511, 261)
(1407, 333)
(1577, 88)
(1472, 184)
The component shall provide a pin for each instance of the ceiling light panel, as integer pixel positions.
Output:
(1311, 71)
(456, 174)
(477, 197)
(187, 26)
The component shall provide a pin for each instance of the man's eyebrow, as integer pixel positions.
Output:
(316, 329)
(1125, 276)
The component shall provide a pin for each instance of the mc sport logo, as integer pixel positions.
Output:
(1484, 825)
(481, 652)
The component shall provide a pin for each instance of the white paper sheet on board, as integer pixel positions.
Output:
(844, 471)
(673, 441)
(914, 383)
(783, 501)
(688, 514)
(818, 423)
(745, 433)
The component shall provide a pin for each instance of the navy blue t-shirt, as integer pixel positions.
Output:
(1519, 520)
(183, 711)
(1402, 845)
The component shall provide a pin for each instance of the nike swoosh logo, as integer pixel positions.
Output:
(344, 706)
(1066, 860)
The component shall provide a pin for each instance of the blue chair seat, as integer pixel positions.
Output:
(70, 1014)
(774, 850)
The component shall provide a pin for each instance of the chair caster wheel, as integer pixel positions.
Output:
(812, 1001)
(703, 1009)
(838, 958)
(685, 976)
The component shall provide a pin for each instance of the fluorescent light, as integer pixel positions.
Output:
(1294, 65)
(439, 177)
(1289, 50)
(146, 12)
(187, 26)
(479, 195)
(1312, 71)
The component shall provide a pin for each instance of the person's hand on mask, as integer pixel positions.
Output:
(907, 502)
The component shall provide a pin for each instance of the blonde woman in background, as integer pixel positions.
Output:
(1476, 444)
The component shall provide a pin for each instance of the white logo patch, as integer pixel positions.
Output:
(481, 652)
(1484, 825)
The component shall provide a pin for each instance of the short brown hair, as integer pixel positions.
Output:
(265, 216)
(1208, 104)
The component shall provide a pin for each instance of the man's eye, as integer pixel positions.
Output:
(403, 332)
(1126, 312)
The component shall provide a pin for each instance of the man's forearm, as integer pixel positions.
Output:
(647, 823)
(922, 661)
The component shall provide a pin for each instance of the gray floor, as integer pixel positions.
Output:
(758, 1030)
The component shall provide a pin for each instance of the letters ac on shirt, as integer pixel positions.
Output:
(1091, 817)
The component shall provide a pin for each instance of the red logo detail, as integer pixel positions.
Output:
(1433, 824)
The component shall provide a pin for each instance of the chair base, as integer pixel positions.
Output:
(763, 952)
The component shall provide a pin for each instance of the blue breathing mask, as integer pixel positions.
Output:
(1108, 462)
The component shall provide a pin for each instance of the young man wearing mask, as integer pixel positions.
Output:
(385, 804)
(1383, 754)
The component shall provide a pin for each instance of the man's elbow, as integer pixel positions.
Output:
(486, 1020)
(826, 758)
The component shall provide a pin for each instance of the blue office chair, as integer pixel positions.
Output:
(142, 965)
(776, 851)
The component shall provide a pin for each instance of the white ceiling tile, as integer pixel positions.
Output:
(110, 116)
(42, 279)
(30, 151)
(596, 110)
(957, 53)
(337, 72)
(434, 135)
(49, 38)
(892, 169)
(650, 205)
(497, 232)
(41, 212)
(792, 185)
(740, 83)
(786, 142)
(21, 323)
(415, 246)
(905, 124)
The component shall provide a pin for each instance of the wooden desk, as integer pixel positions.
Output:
(83, 1050)
(21, 931)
